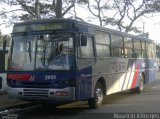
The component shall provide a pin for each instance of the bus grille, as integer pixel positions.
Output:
(35, 85)
(36, 93)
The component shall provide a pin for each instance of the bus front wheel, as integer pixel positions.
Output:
(97, 100)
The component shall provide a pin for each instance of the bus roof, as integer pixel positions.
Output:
(39, 21)
(81, 25)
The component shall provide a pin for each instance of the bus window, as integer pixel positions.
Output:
(117, 52)
(83, 40)
(116, 40)
(137, 48)
(87, 49)
(102, 38)
(150, 54)
(128, 42)
(143, 45)
(86, 53)
(150, 47)
(144, 55)
(117, 46)
(137, 44)
(137, 53)
(128, 52)
(102, 44)
(102, 50)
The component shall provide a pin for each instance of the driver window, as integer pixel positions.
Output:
(66, 47)
(86, 52)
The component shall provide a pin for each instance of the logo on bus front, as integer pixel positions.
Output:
(32, 78)
(50, 77)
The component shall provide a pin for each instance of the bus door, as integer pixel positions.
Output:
(85, 61)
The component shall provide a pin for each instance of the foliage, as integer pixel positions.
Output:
(29, 9)
(120, 13)
(8, 38)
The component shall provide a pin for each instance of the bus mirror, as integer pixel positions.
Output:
(83, 40)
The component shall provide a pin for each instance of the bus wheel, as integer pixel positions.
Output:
(97, 100)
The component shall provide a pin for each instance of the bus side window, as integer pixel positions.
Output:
(117, 52)
(102, 40)
(128, 53)
(86, 47)
(132, 53)
(135, 54)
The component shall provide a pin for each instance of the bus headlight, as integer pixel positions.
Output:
(65, 83)
(13, 82)
(70, 83)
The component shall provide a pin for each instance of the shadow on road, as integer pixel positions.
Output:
(44, 112)
(68, 110)
(115, 98)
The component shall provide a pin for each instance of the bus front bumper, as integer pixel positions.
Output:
(42, 94)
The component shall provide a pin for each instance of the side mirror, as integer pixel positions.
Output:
(83, 40)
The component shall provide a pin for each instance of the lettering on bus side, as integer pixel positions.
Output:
(50, 77)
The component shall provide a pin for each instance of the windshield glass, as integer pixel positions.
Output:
(41, 52)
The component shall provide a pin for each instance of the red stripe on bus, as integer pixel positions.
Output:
(135, 78)
(19, 76)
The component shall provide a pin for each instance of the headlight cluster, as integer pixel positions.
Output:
(64, 83)
(13, 82)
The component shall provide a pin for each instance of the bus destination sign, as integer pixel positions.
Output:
(40, 27)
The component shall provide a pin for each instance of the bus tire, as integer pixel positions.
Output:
(97, 100)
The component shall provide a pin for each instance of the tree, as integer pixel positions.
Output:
(7, 38)
(122, 13)
(130, 11)
(23, 10)
(97, 8)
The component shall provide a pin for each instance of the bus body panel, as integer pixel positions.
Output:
(122, 74)
(45, 95)
(84, 85)
(48, 85)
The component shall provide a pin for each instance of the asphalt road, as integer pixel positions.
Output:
(122, 105)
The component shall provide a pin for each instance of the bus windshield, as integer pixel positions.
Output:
(41, 52)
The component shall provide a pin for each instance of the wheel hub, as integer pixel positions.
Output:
(99, 95)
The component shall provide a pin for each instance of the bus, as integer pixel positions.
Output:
(66, 60)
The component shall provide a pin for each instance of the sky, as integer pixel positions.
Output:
(151, 24)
